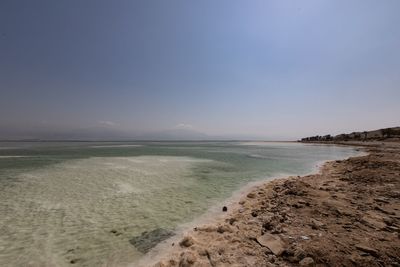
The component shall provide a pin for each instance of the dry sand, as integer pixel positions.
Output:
(346, 215)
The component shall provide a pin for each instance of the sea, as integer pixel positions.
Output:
(109, 203)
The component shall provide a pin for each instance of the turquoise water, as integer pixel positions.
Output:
(80, 203)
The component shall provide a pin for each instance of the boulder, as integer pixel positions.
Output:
(272, 242)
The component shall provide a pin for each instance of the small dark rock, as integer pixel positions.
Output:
(268, 225)
(224, 209)
(73, 261)
(187, 241)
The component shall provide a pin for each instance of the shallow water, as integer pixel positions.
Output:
(90, 204)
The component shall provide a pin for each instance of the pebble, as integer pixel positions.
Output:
(307, 262)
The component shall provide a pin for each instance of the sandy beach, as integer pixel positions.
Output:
(348, 214)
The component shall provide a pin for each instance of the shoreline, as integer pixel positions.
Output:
(346, 214)
(214, 215)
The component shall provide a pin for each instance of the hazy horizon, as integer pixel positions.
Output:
(271, 70)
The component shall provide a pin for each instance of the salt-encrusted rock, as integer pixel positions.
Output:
(272, 242)
(187, 241)
(307, 262)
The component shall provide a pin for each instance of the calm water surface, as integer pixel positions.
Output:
(82, 203)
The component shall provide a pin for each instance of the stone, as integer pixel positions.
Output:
(232, 221)
(73, 261)
(115, 232)
(223, 228)
(307, 262)
(187, 259)
(224, 209)
(268, 225)
(373, 222)
(344, 212)
(368, 250)
(299, 254)
(388, 221)
(381, 200)
(187, 241)
(393, 229)
(272, 242)
(315, 224)
(251, 195)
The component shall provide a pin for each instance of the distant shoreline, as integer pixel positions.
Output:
(122, 141)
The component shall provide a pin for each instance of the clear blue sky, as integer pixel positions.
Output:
(273, 69)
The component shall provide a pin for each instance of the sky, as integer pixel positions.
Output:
(264, 69)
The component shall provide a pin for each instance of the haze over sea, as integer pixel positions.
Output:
(88, 203)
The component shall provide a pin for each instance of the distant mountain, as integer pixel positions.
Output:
(175, 134)
(103, 133)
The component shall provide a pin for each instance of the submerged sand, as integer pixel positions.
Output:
(346, 215)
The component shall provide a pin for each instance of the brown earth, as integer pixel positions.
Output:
(347, 215)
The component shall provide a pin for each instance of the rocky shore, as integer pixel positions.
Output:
(346, 215)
